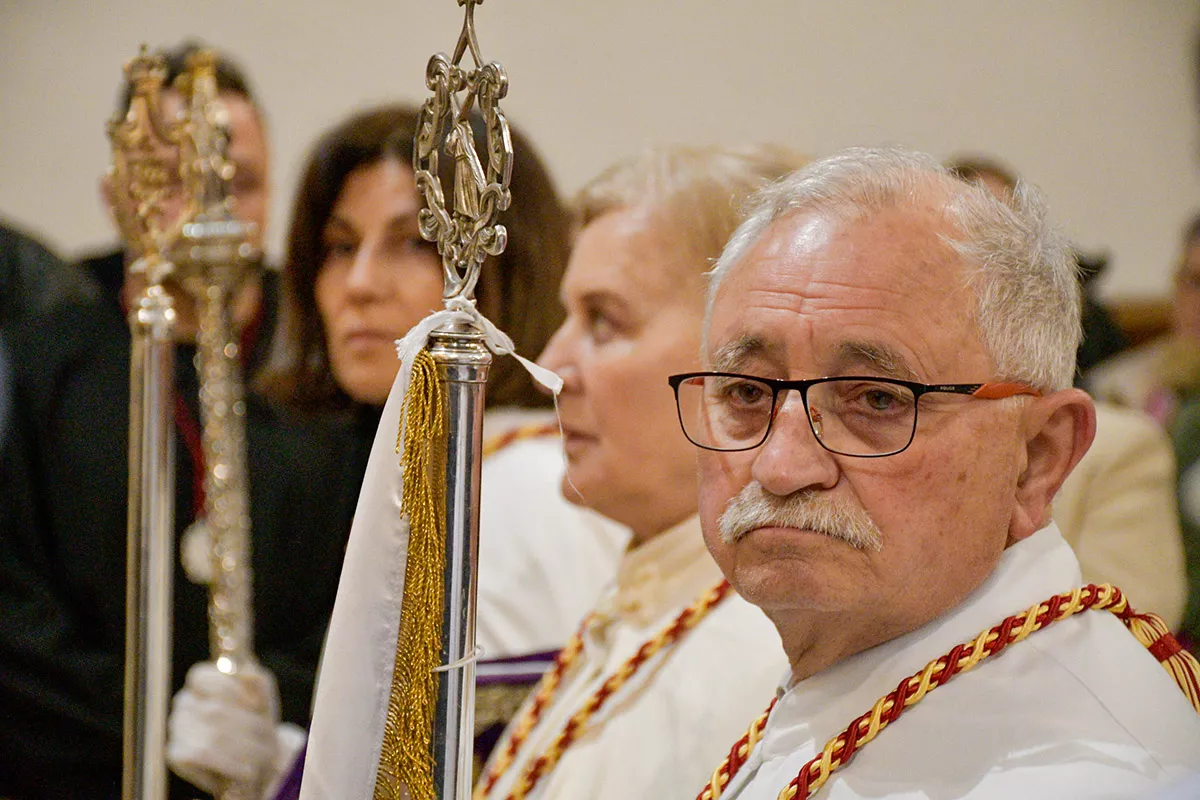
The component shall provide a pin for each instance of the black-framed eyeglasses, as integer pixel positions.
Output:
(853, 415)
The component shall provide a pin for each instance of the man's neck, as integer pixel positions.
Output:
(815, 641)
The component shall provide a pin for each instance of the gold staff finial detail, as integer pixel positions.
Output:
(206, 166)
(466, 232)
(144, 174)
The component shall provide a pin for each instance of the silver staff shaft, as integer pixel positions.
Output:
(215, 254)
(148, 593)
(227, 514)
(463, 362)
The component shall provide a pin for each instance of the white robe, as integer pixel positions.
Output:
(543, 561)
(661, 735)
(1079, 709)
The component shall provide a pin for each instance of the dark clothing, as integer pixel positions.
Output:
(63, 498)
(1185, 435)
(1102, 337)
(33, 279)
(107, 271)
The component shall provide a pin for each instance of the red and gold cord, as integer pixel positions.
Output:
(524, 725)
(518, 434)
(1149, 629)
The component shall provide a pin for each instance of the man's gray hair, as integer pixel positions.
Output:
(1020, 268)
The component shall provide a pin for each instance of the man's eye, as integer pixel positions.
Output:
(745, 393)
(879, 399)
(741, 394)
(244, 183)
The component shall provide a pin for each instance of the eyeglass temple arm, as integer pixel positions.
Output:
(1001, 390)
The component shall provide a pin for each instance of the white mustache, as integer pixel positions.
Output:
(754, 507)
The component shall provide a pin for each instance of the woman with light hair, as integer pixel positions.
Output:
(669, 664)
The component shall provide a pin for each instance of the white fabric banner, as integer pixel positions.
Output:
(355, 680)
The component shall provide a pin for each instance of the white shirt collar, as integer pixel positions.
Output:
(1027, 573)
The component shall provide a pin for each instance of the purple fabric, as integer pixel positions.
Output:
(290, 788)
(514, 669)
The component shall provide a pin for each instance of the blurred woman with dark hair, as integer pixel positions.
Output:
(369, 158)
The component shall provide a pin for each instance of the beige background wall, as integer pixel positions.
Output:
(1095, 100)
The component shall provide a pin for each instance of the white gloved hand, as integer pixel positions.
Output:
(223, 728)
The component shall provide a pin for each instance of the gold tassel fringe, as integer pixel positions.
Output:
(1182, 666)
(406, 758)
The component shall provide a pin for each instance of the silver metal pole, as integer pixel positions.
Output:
(464, 224)
(149, 567)
(143, 175)
(463, 361)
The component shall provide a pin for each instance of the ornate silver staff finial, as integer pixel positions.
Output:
(467, 232)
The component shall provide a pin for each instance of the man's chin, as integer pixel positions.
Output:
(796, 585)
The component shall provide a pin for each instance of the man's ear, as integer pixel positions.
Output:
(1059, 429)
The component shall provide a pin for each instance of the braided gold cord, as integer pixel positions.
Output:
(737, 756)
(533, 712)
(406, 756)
(1150, 630)
(543, 764)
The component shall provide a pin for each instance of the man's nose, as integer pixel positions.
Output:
(791, 459)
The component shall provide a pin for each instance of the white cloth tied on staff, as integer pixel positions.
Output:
(350, 708)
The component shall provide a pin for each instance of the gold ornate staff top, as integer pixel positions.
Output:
(144, 174)
(467, 232)
(206, 170)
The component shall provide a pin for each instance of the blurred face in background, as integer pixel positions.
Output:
(634, 302)
(378, 278)
(249, 188)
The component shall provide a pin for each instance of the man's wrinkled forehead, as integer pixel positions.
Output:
(754, 352)
(885, 272)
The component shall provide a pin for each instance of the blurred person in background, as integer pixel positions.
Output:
(64, 493)
(1158, 377)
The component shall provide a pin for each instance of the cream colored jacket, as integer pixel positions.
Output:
(1117, 510)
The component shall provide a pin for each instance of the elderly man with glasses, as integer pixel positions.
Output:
(887, 416)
